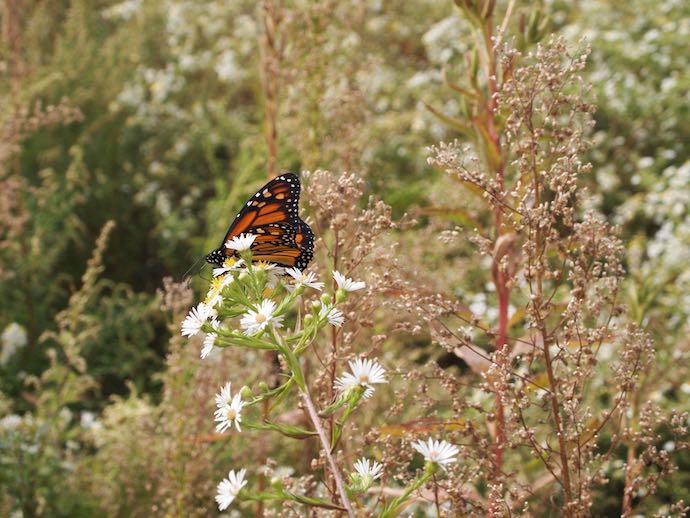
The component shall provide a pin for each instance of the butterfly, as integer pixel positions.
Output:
(272, 216)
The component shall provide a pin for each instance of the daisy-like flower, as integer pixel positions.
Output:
(255, 321)
(366, 468)
(335, 316)
(272, 270)
(210, 340)
(440, 452)
(241, 243)
(346, 283)
(306, 279)
(196, 318)
(365, 372)
(229, 488)
(214, 297)
(228, 265)
(229, 409)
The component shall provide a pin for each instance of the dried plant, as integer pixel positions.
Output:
(561, 268)
(17, 124)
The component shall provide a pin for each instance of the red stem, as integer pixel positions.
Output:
(499, 278)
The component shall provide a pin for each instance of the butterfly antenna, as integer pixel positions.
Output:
(192, 268)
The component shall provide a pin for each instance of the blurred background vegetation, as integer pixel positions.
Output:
(157, 116)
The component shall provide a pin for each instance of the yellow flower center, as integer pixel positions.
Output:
(215, 288)
(260, 319)
(230, 262)
(231, 414)
(363, 379)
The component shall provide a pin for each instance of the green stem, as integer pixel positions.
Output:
(394, 507)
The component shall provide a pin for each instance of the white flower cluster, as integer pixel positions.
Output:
(264, 317)
(13, 337)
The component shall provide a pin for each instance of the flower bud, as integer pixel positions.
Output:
(246, 392)
(261, 275)
(308, 320)
(246, 255)
(263, 386)
(326, 299)
(340, 296)
(277, 483)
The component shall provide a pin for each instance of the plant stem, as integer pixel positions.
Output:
(546, 339)
(501, 340)
(499, 278)
(438, 506)
(626, 508)
(325, 443)
(565, 470)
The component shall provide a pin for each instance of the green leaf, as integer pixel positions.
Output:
(454, 123)
(294, 432)
(315, 502)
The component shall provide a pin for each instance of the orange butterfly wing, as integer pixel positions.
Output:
(272, 216)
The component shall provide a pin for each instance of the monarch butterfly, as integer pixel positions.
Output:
(272, 216)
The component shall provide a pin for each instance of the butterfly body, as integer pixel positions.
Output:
(271, 215)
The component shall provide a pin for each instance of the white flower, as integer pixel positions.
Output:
(335, 316)
(241, 243)
(229, 409)
(10, 422)
(307, 279)
(346, 283)
(209, 343)
(89, 421)
(365, 372)
(217, 272)
(364, 469)
(13, 337)
(213, 296)
(227, 68)
(255, 321)
(273, 271)
(124, 10)
(440, 452)
(228, 265)
(229, 488)
(196, 318)
(65, 414)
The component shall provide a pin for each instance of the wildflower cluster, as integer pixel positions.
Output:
(252, 305)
